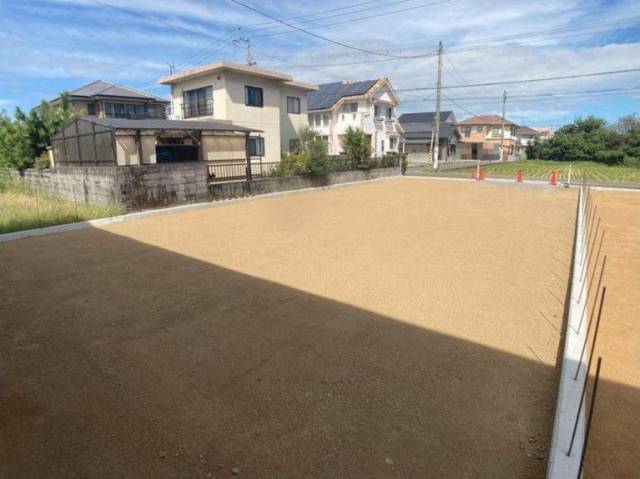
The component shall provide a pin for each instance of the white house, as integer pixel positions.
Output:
(368, 105)
(247, 96)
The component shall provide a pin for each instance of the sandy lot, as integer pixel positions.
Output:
(401, 328)
(614, 449)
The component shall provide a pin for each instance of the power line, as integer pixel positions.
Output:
(341, 22)
(460, 106)
(363, 62)
(321, 37)
(529, 80)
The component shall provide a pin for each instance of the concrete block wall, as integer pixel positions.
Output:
(151, 186)
(94, 184)
(237, 189)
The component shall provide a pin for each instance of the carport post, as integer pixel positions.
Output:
(247, 155)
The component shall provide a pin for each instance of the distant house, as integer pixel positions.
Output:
(524, 137)
(248, 96)
(480, 138)
(419, 129)
(546, 132)
(103, 99)
(368, 105)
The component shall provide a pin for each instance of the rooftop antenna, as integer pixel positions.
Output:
(247, 42)
(172, 68)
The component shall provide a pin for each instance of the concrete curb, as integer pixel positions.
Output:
(17, 235)
(560, 465)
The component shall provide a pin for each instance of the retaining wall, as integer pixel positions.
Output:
(136, 187)
(149, 186)
(236, 189)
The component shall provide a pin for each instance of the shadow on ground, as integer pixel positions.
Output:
(119, 359)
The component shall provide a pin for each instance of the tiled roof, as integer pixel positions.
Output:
(422, 117)
(525, 130)
(490, 120)
(104, 88)
(330, 93)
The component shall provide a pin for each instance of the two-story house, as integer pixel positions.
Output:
(247, 96)
(368, 105)
(103, 99)
(525, 136)
(419, 131)
(481, 136)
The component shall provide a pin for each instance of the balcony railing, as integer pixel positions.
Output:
(197, 108)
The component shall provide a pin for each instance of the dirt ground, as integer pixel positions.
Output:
(399, 328)
(614, 449)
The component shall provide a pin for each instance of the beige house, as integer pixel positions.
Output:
(481, 136)
(248, 96)
(103, 99)
(368, 105)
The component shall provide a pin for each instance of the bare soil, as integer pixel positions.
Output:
(400, 328)
(614, 447)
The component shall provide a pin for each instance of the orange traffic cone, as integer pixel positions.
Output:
(519, 177)
(481, 174)
(554, 178)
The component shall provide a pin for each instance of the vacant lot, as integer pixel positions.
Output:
(539, 169)
(614, 450)
(401, 328)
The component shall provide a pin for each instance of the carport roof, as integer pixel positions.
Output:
(126, 124)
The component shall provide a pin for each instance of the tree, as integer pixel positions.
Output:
(26, 138)
(14, 144)
(44, 120)
(356, 145)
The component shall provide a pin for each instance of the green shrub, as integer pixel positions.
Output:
(356, 145)
(404, 164)
(316, 161)
(43, 162)
(611, 157)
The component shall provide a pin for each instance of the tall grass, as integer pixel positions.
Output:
(22, 208)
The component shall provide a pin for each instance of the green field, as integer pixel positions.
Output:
(539, 169)
(22, 209)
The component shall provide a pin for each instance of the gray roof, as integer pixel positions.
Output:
(423, 117)
(422, 131)
(526, 131)
(418, 126)
(125, 124)
(101, 88)
(330, 93)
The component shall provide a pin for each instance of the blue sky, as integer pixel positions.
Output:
(51, 45)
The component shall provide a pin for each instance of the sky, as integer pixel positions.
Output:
(47, 46)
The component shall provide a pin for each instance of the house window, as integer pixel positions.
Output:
(342, 117)
(91, 109)
(293, 105)
(352, 107)
(466, 132)
(389, 112)
(392, 143)
(256, 146)
(325, 119)
(253, 96)
(496, 132)
(294, 143)
(198, 102)
(325, 138)
(376, 111)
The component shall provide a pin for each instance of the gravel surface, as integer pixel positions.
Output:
(614, 449)
(400, 328)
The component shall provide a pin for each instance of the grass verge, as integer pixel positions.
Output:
(24, 209)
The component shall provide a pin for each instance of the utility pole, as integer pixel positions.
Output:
(172, 68)
(504, 108)
(436, 147)
(249, 59)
